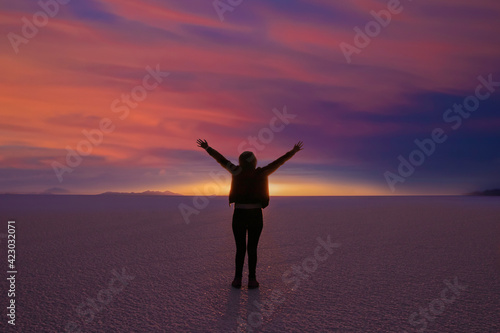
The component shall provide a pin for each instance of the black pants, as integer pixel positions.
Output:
(243, 220)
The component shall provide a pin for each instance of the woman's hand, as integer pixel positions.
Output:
(298, 146)
(202, 143)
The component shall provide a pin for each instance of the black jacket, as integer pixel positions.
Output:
(249, 186)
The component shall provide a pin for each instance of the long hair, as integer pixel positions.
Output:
(248, 160)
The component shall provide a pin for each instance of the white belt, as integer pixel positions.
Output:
(247, 206)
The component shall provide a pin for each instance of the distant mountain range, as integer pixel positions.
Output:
(142, 193)
(494, 192)
(62, 191)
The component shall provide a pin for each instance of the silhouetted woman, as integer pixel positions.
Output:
(250, 194)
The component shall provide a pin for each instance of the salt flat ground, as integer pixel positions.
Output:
(392, 257)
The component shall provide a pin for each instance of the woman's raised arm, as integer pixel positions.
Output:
(224, 162)
(271, 167)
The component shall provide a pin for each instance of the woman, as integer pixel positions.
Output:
(250, 194)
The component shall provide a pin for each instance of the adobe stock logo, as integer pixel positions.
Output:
(428, 146)
(436, 307)
(106, 126)
(362, 39)
(91, 307)
(225, 6)
(40, 19)
(292, 277)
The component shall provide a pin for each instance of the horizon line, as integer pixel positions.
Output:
(225, 196)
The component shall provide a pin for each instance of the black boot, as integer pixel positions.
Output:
(252, 283)
(236, 282)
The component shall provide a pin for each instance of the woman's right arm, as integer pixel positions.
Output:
(224, 162)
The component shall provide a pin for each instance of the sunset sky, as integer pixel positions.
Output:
(88, 69)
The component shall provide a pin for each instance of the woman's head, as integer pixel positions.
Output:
(248, 160)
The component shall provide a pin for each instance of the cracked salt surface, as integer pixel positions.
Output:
(392, 258)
